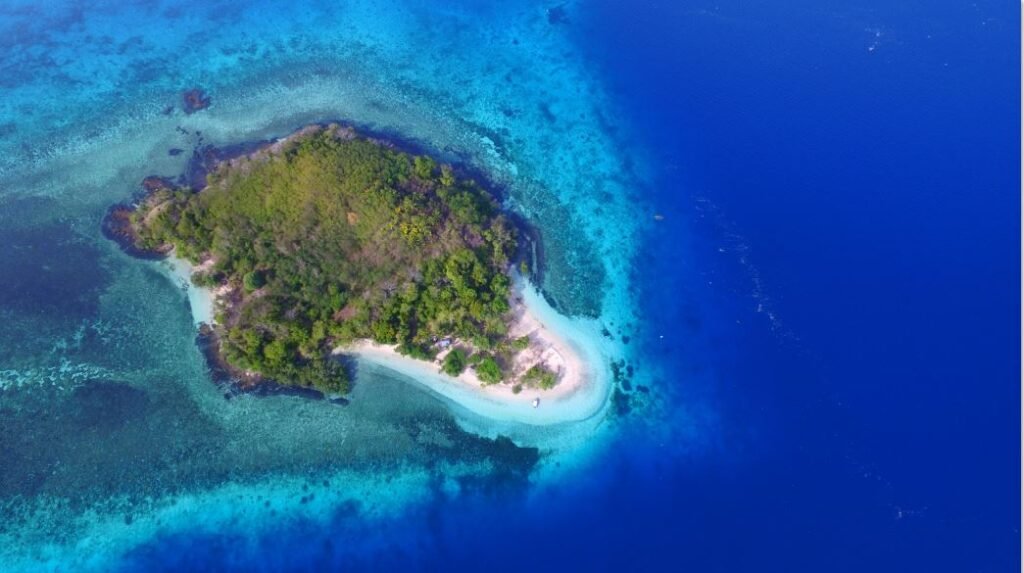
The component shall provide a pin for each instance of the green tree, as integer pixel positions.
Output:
(454, 362)
(275, 352)
(424, 167)
(253, 280)
(447, 176)
(488, 370)
(335, 238)
(540, 376)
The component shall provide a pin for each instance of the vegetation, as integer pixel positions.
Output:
(540, 376)
(488, 371)
(253, 280)
(454, 363)
(521, 343)
(328, 238)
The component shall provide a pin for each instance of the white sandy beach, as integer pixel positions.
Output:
(568, 347)
(199, 299)
(202, 300)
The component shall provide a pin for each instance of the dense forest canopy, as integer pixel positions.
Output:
(325, 238)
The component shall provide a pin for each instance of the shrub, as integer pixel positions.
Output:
(447, 176)
(454, 363)
(541, 376)
(488, 370)
(415, 351)
(275, 353)
(253, 280)
(207, 280)
(521, 343)
(424, 167)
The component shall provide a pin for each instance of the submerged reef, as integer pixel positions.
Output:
(194, 100)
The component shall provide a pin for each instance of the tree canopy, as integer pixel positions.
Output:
(326, 238)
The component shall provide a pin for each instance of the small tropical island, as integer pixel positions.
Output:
(327, 242)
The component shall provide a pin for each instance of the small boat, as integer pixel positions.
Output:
(536, 402)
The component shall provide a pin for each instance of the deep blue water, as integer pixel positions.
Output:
(832, 297)
(871, 423)
(875, 194)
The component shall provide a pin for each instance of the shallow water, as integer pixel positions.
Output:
(772, 335)
(100, 360)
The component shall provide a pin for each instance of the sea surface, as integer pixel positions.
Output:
(797, 222)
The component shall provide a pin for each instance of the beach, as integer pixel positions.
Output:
(157, 467)
(200, 299)
(569, 347)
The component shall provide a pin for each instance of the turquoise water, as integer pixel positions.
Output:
(815, 344)
(114, 433)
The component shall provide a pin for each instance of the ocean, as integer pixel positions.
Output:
(799, 224)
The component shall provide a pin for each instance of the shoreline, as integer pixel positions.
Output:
(581, 392)
(566, 347)
(569, 346)
(201, 300)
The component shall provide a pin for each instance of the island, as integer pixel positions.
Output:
(327, 242)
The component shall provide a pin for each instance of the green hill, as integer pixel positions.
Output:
(327, 237)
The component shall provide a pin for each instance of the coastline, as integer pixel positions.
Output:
(200, 299)
(581, 392)
(572, 349)
(570, 346)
